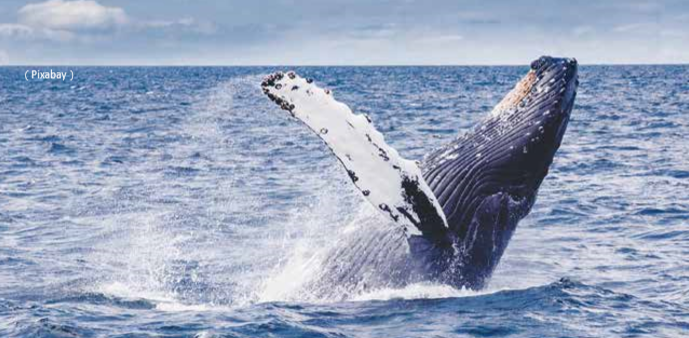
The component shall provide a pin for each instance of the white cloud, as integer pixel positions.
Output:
(188, 24)
(72, 15)
(58, 20)
(87, 21)
(169, 23)
(13, 30)
(28, 33)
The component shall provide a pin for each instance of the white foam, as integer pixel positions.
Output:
(424, 291)
(414, 291)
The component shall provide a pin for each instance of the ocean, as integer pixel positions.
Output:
(180, 202)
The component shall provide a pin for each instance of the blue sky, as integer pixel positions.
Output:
(372, 32)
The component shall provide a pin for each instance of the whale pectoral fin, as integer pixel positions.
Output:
(392, 184)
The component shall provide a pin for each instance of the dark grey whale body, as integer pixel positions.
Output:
(485, 181)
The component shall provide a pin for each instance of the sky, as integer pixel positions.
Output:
(335, 32)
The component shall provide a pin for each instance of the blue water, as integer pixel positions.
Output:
(179, 202)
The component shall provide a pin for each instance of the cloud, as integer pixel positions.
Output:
(14, 30)
(27, 33)
(352, 32)
(185, 24)
(72, 15)
(88, 21)
(63, 21)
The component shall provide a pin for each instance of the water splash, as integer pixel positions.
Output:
(228, 250)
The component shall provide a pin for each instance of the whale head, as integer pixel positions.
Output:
(487, 180)
(526, 128)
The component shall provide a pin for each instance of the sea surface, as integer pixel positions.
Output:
(180, 202)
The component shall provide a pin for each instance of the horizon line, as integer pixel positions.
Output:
(331, 65)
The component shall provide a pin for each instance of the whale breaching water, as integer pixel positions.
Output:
(455, 210)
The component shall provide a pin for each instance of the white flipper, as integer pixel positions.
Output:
(391, 183)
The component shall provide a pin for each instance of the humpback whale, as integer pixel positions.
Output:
(456, 210)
